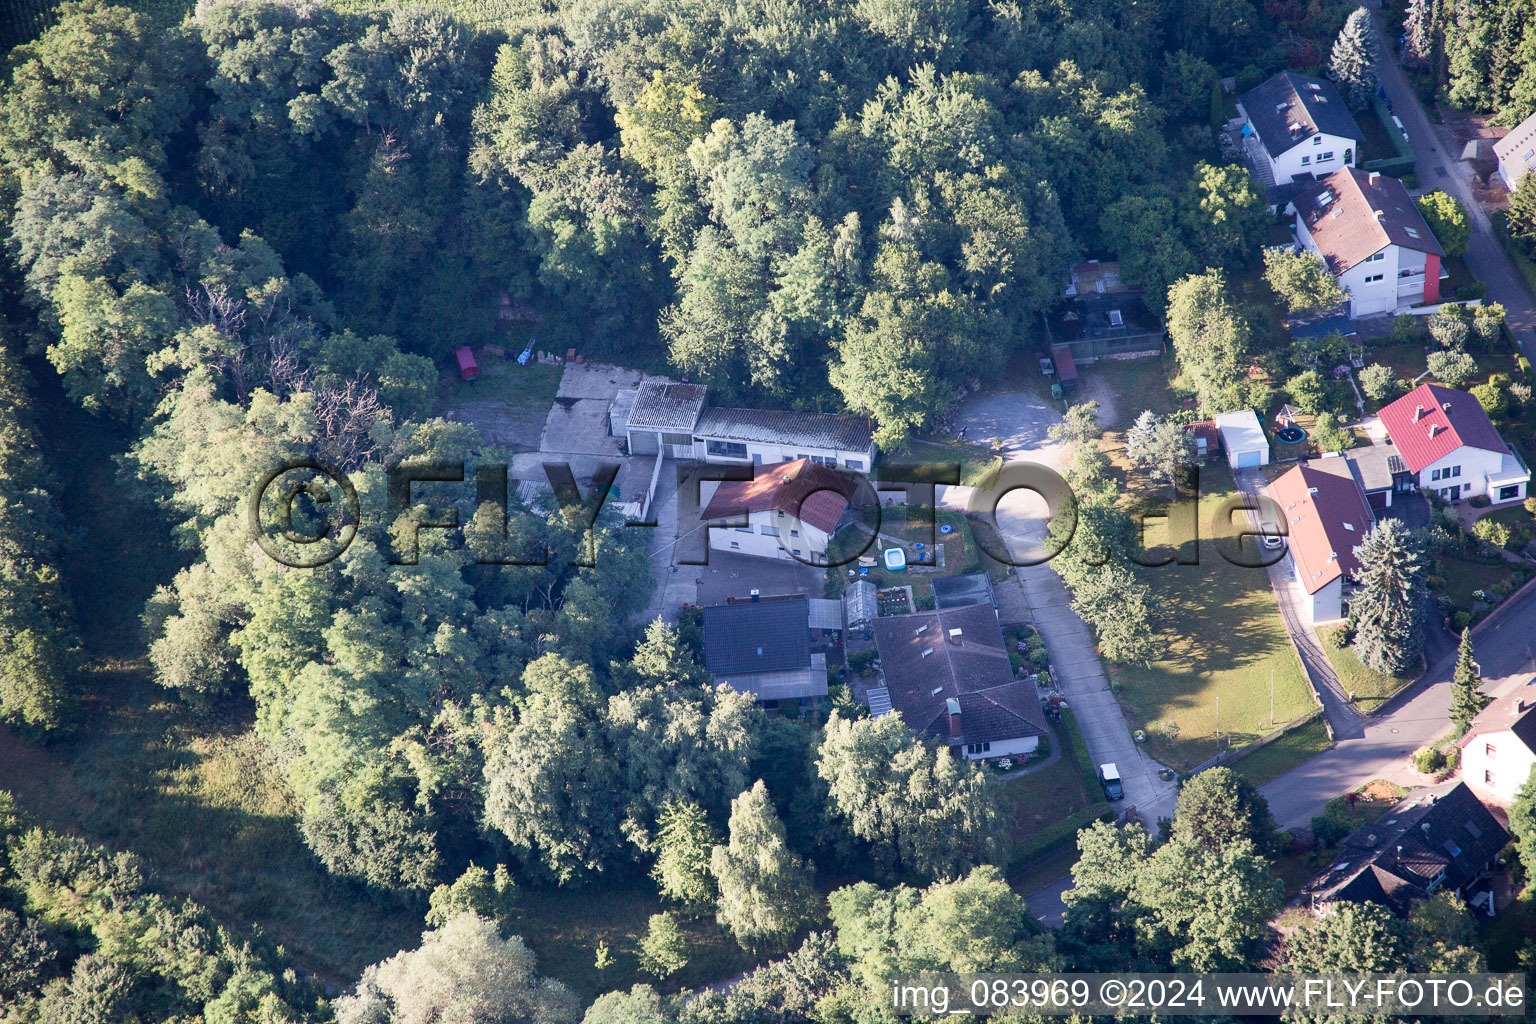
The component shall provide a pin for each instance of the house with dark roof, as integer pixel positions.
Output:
(1326, 517)
(763, 647)
(1440, 839)
(1302, 126)
(1516, 152)
(1368, 231)
(1499, 750)
(1451, 446)
(676, 420)
(947, 674)
(1377, 469)
(787, 510)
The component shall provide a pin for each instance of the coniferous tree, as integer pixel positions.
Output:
(1466, 697)
(1419, 32)
(1353, 63)
(1389, 604)
(683, 846)
(1522, 214)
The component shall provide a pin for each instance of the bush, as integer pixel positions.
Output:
(1327, 830)
(1306, 390)
(1460, 621)
(1530, 505)
(1429, 760)
(1341, 638)
(1491, 532)
(1480, 501)
(1525, 367)
(1406, 328)
(1468, 292)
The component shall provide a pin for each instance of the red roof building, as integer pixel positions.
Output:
(791, 508)
(1326, 516)
(1448, 442)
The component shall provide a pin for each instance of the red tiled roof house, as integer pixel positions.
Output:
(1451, 446)
(791, 510)
(1367, 229)
(1326, 517)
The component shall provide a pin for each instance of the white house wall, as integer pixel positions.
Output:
(758, 537)
(1020, 745)
(1289, 164)
(767, 454)
(1475, 463)
(1497, 776)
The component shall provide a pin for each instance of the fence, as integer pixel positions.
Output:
(1234, 753)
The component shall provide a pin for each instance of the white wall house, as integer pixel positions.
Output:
(1302, 125)
(1516, 153)
(1498, 752)
(1326, 516)
(1447, 441)
(675, 418)
(791, 510)
(1369, 232)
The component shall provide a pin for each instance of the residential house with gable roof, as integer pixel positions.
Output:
(947, 674)
(1452, 448)
(764, 648)
(791, 510)
(1499, 750)
(1368, 231)
(1302, 126)
(1326, 517)
(1440, 839)
(1516, 152)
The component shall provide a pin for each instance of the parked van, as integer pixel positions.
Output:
(1109, 778)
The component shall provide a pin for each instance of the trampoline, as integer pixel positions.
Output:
(1290, 435)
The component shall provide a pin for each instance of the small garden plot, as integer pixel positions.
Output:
(1469, 588)
(895, 600)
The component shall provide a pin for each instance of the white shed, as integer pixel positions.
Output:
(1243, 438)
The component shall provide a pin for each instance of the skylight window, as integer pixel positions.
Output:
(1451, 848)
(1412, 232)
(1350, 527)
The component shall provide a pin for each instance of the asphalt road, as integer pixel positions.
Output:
(1440, 169)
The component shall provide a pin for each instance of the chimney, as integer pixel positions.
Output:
(953, 706)
(1381, 214)
(1418, 413)
(1373, 179)
(756, 595)
(1433, 428)
(954, 637)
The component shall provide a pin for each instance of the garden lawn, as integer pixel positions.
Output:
(1225, 641)
(1371, 689)
(1276, 758)
(961, 555)
(509, 403)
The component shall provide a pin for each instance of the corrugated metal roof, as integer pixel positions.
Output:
(660, 405)
(879, 701)
(782, 426)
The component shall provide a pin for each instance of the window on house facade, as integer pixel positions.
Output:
(726, 449)
(1488, 778)
(854, 463)
(770, 531)
(1490, 749)
(1373, 278)
(1325, 157)
(978, 748)
(1453, 471)
(1317, 140)
(1509, 493)
(1434, 474)
(797, 551)
(1306, 160)
(744, 529)
(735, 545)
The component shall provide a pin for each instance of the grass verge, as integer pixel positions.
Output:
(1277, 757)
(1371, 689)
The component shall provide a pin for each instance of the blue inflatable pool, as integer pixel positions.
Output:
(895, 559)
